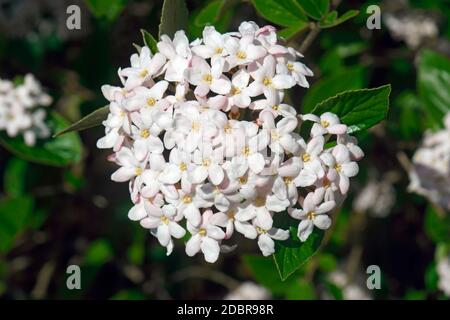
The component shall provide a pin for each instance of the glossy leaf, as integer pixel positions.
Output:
(285, 13)
(332, 19)
(60, 151)
(433, 85)
(149, 41)
(316, 9)
(174, 17)
(358, 109)
(292, 254)
(91, 120)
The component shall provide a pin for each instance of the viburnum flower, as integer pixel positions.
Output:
(21, 109)
(203, 136)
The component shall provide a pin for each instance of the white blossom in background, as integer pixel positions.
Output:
(443, 270)
(248, 291)
(430, 170)
(22, 109)
(201, 134)
(376, 198)
(351, 289)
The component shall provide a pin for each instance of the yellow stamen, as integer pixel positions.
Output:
(195, 126)
(338, 167)
(242, 180)
(138, 171)
(202, 232)
(206, 162)
(231, 215)
(183, 166)
(306, 157)
(143, 73)
(267, 81)
(311, 215)
(187, 199)
(276, 107)
(145, 133)
(151, 102)
(287, 180)
(275, 135)
(219, 50)
(259, 202)
(235, 91)
(324, 123)
(165, 220)
(241, 55)
(207, 78)
(290, 66)
(260, 230)
(246, 151)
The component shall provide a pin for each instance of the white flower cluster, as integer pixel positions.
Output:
(430, 171)
(443, 270)
(21, 111)
(178, 133)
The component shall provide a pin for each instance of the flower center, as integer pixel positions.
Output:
(235, 91)
(338, 167)
(306, 157)
(290, 66)
(143, 73)
(183, 166)
(145, 133)
(261, 230)
(202, 232)
(324, 123)
(138, 171)
(276, 107)
(275, 135)
(187, 199)
(246, 151)
(241, 55)
(232, 215)
(267, 81)
(206, 162)
(287, 180)
(227, 128)
(311, 215)
(165, 220)
(259, 202)
(151, 102)
(219, 50)
(207, 78)
(234, 115)
(195, 126)
(243, 180)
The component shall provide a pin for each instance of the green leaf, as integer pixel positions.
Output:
(174, 17)
(265, 273)
(59, 152)
(316, 9)
(437, 226)
(108, 9)
(343, 80)
(301, 290)
(434, 85)
(91, 120)
(331, 19)
(14, 213)
(149, 41)
(285, 13)
(358, 109)
(14, 177)
(290, 32)
(292, 254)
(210, 13)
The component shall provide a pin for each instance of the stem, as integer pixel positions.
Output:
(313, 32)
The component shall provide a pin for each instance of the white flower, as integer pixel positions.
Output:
(163, 223)
(443, 270)
(266, 236)
(21, 110)
(313, 214)
(206, 238)
(202, 134)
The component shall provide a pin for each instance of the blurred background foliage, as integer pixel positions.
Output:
(54, 217)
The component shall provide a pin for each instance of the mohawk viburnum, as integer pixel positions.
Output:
(21, 111)
(202, 135)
